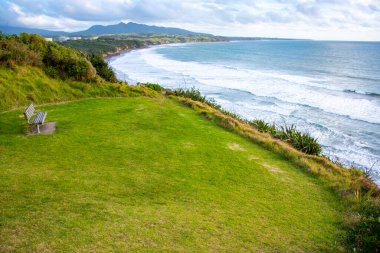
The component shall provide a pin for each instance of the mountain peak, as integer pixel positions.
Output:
(131, 27)
(120, 28)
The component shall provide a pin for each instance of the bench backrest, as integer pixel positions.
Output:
(29, 112)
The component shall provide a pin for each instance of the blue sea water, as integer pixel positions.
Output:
(329, 89)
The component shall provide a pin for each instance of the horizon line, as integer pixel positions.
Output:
(225, 36)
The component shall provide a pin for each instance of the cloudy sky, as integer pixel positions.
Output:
(313, 19)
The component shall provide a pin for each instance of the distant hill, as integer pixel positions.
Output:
(100, 29)
(42, 32)
(134, 28)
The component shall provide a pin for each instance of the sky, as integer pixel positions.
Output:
(308, 19)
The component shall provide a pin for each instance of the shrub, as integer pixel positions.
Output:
(81, 70)
(264, 127)
(306, 143)
(102, 67)
(192, 93)
(364, 234)
(152, 86)
(35, 42)
(55, 60)
(302, 141)
(68, 63)
(12, 52)
(195, 95)
(213, 104)
(51, 71)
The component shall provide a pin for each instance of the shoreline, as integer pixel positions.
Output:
(107, 56)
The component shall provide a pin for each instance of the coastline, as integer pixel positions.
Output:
(109, 55)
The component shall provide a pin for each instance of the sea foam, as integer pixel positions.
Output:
(289, 88)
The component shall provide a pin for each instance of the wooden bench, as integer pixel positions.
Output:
(38, 119)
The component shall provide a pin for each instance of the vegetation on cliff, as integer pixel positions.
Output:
(57, 61)
(116, 43)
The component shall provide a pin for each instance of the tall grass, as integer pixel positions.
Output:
(24, 84)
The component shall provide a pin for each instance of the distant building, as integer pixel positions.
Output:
(75, 38)
(61, 38)
(48, 39)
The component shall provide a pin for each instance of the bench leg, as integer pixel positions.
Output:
(38, 128)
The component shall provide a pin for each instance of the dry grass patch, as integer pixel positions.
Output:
(235, 147)
(272, 168)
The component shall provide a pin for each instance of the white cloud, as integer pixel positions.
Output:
(318, 19)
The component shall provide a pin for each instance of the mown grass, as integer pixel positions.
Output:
(149, 175)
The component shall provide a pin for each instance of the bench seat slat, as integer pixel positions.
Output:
(39, 118)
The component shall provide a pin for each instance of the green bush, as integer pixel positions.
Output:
(152, 86)
(306, 143)
(213, 104)
(192, 93)
(81, 70)
(51, 71)
(14, 53)
(68, 63)
(35, 42)
(102, 67)
(364, 234)
(264, 127)
(55, 60)
(302, 141)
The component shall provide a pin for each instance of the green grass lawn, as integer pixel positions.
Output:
(150, 175)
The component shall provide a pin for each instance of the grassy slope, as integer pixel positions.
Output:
(143, 174)
(19, 86)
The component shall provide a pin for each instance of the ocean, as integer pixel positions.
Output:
(328, 89)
